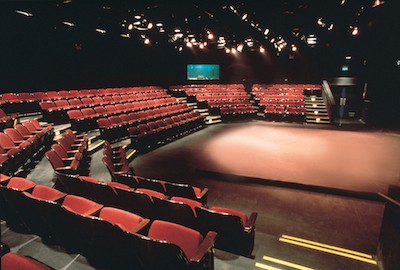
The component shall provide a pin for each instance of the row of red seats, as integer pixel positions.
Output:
(20, 144)
(91, 229)
(228, 103)
(69, 154)
(288, 86)
(265, 96)
(69, 94)
(151, 134)
(6, 120)
(235, 228)
(11, 102)
(116, 126)
(117, 164)
(58, 110)
(237, 110)
(280, 102)
(86, 118)
(290, 113)
(98, 100)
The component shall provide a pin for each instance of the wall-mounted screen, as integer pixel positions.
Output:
(202, 72)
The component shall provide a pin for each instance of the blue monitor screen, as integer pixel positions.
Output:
(202, 72)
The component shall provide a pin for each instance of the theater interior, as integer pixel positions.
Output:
(200, 134)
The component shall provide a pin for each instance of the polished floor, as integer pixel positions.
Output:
(240, 150)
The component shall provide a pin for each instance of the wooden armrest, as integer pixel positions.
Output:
(203, 193)
(205, 246)
(251, 221)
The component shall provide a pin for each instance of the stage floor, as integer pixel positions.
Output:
(361, 161)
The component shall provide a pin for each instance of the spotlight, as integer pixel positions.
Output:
(240, 48)
(233, 50)
(355, 31)
(262, 50)
(130, 26)
(294, 48)
(227, 50)
(150, 25)
(189, 44)
(146, 41)
(210, 36)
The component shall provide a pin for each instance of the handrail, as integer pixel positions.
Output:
(326, 91)
(388, 199)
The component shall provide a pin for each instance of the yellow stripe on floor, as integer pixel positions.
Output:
(266, 267)
(285, 263)
(327, 246)
(327, 250)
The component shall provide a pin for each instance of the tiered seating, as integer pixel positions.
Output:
(29, 102)
(114, 237)
(226, 100)
(20, 144)
(283, 101)
(56, 107)
(69, 154)
(6, 121)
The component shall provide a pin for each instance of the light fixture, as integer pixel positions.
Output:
(355, 31)
(130, 26)
(150, 25)
(377, 3)
(201, 46)
(266, 32)
(189, 44)
(210, 36)
(244, 17)
(262, 50)
(227, 50)
(294, 48)
(240, 48)
(233, 50)
(146, 41)
(100, 30)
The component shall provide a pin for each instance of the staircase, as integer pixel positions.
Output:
(209, 119)
(316, 110)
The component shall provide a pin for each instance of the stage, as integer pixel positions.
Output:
(278, 153)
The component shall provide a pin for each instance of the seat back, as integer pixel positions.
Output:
(185, 238)
(19, 262)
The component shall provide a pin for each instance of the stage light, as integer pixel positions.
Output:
(244, 17)
(27, 14)
(125, 35)
(227, 50)
(69, 24)
(201, 46)
(150, 25)
(137, 17)
(240, 48)
(130, 26)
(146, 41)
(266, 32)
(189, 44)
(159, 24)
(177, 30)
(294, 48)
(233, 50)
(348, 57)
(377, 3)
(102, 31)
(210, 36)
(262, 50)
(355, 31)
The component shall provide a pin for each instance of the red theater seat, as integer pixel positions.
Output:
(13, 261)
